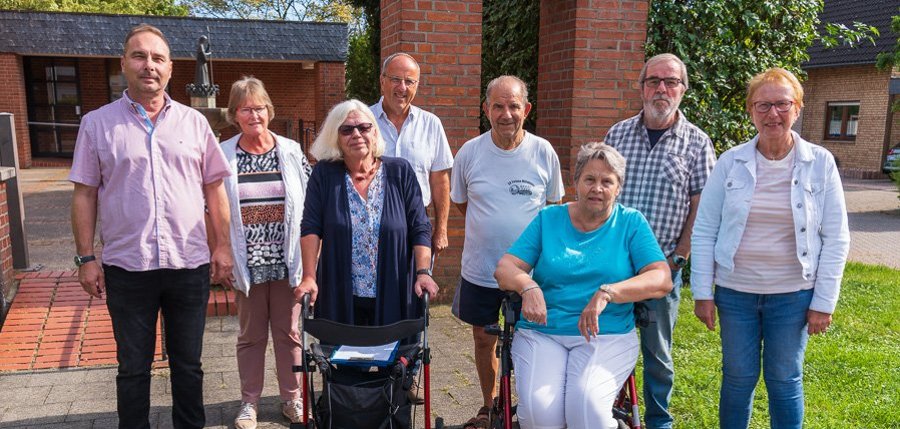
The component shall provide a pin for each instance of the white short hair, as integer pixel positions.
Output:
(327, 146)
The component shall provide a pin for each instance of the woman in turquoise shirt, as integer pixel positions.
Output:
(591, 259)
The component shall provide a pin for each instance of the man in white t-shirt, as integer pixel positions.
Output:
(416, 136)
(501, 180)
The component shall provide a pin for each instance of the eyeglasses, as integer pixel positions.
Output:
(347, 130)
(247, 111)
(653, 82)
(396, 80)
(780, 106)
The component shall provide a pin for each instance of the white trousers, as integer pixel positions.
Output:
(566, 382)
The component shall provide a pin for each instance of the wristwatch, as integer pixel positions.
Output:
(679, 261)
(608, 290)
(81, 260)
(425, 271)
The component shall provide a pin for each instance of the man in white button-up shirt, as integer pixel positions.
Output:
(416, 136)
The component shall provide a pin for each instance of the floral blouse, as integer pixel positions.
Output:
(365, 219)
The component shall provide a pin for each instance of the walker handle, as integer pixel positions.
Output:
(306, 311)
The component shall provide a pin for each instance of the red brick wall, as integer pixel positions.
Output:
(863, 157)
(291, 88)
(6, 260)
(329, 89)
(590, 56)
(94, 83)
(445, 38)
(12, 100)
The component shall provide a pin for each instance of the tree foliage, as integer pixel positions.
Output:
(132, 7)
(294, 10)
(725, 42)
(509, 46)
(364, 55)
(888, 60)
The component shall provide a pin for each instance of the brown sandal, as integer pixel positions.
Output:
(482, 420)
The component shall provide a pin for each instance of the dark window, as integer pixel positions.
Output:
(117, 82)
(54, 104)
(841, 120)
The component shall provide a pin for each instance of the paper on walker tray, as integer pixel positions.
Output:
(369, 355)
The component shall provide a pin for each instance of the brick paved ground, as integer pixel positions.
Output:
(85, 397)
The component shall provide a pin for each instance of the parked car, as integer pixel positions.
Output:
(892, 163)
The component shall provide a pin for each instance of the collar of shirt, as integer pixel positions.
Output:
(138, 109)
(678, 128)
(381, 115)
(389, 133)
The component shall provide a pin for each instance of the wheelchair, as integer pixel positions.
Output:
(626, 408)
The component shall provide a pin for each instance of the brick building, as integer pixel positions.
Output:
(848, 101)
(590, 55)
(59, 66)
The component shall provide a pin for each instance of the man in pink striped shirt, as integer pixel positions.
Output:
(145, 164)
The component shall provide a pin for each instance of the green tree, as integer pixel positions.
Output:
(509, 47)
(295, 10)
(364, 54)
(132, 7)
(890, 59)
(726, 42)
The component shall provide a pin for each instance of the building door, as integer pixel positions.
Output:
(54, 105)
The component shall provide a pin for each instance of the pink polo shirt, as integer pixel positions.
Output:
(150, 180)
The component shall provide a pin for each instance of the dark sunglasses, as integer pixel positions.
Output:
(347, 130)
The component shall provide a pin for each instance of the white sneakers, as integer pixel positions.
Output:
(246, 418)
(293, 410)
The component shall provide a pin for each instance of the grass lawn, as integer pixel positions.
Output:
(851, 374)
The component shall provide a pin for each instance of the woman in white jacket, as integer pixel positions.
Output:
(771, 234)
(266, 195)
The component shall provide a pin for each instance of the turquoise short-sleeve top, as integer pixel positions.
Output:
(570, 265)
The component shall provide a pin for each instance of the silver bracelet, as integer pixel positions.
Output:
(528, 289)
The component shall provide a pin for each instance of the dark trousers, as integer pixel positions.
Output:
(134, 300)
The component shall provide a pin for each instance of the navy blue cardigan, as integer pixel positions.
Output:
(404, 224)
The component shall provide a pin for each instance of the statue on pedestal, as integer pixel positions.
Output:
(203, 87)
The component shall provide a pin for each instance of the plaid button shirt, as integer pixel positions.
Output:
(659, 182)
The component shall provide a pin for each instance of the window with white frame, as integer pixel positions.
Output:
(841, 120)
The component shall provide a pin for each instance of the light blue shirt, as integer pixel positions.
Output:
(820, 219)
(570, 265)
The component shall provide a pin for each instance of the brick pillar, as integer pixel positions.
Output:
(329, 88)
(12, 100)
(590, 56)
(445, 38)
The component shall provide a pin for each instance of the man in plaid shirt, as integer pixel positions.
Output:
(668, 161)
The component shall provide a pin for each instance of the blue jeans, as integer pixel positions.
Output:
(134, 300)
(656, 348)
(771, 327)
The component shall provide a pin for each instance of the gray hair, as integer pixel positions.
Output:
(387, 61)
(327, 146)
(663, 58)
(523, 88)
(600, 150)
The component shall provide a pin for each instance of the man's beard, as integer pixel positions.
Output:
(660, 113)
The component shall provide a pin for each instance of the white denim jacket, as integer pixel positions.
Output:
(294, 178)
(820, 219)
